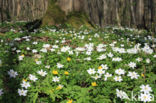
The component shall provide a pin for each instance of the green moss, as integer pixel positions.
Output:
(77, 19)
(54, 15)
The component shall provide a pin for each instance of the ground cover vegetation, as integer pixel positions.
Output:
(67, 65)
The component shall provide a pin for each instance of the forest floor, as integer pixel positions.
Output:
(67, 65)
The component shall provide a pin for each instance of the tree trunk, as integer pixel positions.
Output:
(22, 10)
(131, 13)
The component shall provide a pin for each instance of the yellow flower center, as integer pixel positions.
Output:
(100, 67)
(70, 101)
(24, 80)
(68, 59)
(22, 55)
(59, 87)
(94, 84)
(142, 75)
(54, 72)
(66, 73)
(145, 97)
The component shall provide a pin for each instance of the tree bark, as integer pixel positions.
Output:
(130, 13)
(22, 10)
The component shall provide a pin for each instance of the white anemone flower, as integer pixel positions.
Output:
(145, 97)
(42, 73)
(32, 77)
(132, 65)
(120, 71)
(118, 78)
(12, 73)
(145, 88)
(133, 75)
(1, 92)
(22, 92)
(25, 84)
(56, 79)
(91, 71)
(60, 65)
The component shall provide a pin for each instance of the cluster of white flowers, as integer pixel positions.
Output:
(89, 48)
(119, 50)
(100, 72)
(65, 48)
(101, 48)
(112, 52)
(145, 94)
(26, 84)
(103, 56)
(132, 51)
(147, 49)
(80, 49)
(117, 59)
(121, 94)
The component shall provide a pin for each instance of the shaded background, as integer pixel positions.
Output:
(129, 13)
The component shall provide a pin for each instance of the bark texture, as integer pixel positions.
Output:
(22, 10)
(131, 13)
